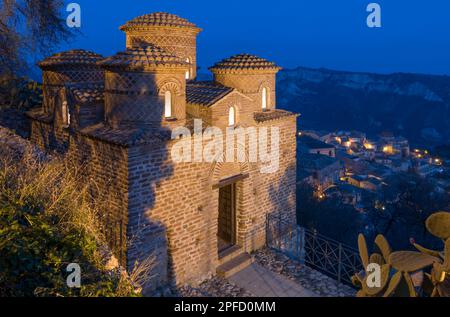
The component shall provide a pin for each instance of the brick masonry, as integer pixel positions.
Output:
(152, 206)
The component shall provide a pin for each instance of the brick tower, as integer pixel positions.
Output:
(168, 31)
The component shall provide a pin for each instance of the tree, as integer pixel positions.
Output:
(405, 218)
(328, 216)
(29, 26)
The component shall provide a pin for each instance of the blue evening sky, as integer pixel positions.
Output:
(415, 34)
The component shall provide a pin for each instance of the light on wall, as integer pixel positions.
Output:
(168, 104)
(231, 117)
(264, 98)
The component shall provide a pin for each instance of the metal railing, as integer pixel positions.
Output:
(317, 251)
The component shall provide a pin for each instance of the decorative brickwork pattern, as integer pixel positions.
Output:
(120, 133)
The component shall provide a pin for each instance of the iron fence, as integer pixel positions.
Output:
(317, 251)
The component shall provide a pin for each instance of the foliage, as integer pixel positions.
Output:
(47, 222)
(407, 273)
(404, 217)
(329, 216)
(29, 26)
(20, 93)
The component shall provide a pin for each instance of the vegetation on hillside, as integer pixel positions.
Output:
(47, 222)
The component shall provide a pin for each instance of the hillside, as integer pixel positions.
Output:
(412, 105)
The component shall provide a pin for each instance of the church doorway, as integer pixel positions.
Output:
(226, 235)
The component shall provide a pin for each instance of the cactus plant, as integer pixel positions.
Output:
(409, 266)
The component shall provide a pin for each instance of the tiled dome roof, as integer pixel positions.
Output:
(244, 62)
(77, 57)
(157, 19)
(142, 57)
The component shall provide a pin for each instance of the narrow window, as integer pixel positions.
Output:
(65, 114)
(188, 72)
(231, 117)
(264, 98)
(168, 104)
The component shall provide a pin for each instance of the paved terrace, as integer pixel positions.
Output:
(262, 282)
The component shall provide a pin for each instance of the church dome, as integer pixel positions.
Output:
(243, 62)
(76, 57)
(157, 19)
(143, 58)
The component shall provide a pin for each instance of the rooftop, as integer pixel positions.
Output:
(205, 93)
(77, 57)
(315, 161)
(272, 115)
(142, 58)
(157, 19)
(88, 93)
(244, 62)
(312, 143)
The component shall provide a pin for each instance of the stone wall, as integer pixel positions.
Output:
(48, 136)
(179, 41)
(251, 85)
(105, 169)
(138, 98)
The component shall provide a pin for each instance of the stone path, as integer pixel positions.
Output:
(308, 278)
(265, 283)
(212, 287)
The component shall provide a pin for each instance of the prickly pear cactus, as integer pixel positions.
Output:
(407, 273)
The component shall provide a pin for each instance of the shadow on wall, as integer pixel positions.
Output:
(282, 196)
(124, 166)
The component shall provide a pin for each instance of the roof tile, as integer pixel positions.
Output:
(244, 62)
(205, 93)
(157, 19)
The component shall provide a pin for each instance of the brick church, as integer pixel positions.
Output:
(115, 116)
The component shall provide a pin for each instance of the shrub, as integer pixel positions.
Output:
(47, 222)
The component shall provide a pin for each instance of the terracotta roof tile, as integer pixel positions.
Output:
(142, 57)
(87, 93)
(77, 57)
(272, 115)
(157, 19)
(244, 62)
(205, 93)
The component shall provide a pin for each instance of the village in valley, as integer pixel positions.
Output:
(358, 171)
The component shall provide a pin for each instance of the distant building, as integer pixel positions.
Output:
(307, 144)
(319, 170)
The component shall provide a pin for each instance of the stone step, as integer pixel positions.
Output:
(234, 265)
(229, 254)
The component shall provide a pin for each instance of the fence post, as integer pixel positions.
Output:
(339, 262)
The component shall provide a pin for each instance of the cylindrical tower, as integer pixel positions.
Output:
(168, 31)
(144, 86)
(251, 75)
(74, 66)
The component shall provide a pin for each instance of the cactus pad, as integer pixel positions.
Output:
(408, 261)
(438, 224)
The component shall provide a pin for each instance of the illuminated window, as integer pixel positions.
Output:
(168, 104)
(232, 117)
(188, 72)
(264, 98)
(65, 113)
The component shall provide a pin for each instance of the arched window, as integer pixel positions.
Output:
(188, 72)
(232, 117)
(264, 98)
(65, 114)
(167, 104)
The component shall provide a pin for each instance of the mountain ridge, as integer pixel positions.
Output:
(414, 105)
